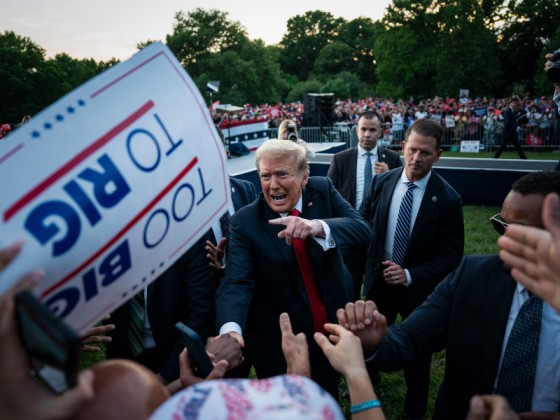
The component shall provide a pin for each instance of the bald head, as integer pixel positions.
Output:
(123, 390)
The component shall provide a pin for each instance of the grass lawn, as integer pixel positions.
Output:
(480, 238)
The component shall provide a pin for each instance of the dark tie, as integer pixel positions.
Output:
(135, 331)
(318, 309)
(368, 173)
(402, 231)
(517, 374)
(224, 224)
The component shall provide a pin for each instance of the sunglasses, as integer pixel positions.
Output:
(499, 224)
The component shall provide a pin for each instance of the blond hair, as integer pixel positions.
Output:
(276, 148)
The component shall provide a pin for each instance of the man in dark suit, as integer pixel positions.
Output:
(509, 132)
(351, 172)
(472, 315)
(417, 239)
(281, 262)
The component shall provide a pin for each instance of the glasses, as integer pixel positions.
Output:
(499, 224)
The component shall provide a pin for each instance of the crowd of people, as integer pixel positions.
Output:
(478, 118)
(304, 283)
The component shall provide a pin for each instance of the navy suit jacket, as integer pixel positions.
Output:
(263, 279)
(467, 315)
(436, 243)
(343, 168)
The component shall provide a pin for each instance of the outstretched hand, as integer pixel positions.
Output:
(345, 355)
(295, 349)
(298, 228)
(186, 372)
(365, 321)
(96, 335)
(216, 254)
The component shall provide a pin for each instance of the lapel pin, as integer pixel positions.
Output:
(310, 204)
(434, 198)
(383, 155)
(232, 189)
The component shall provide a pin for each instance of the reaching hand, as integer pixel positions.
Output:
(346, 354)
(225, 347)
(365, 321)
(298, 228)
(490, 407)
(95, 335)
(216, 254)
(187, 376)
(295, 349)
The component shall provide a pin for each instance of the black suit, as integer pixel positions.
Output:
(509, 133)
(342, 172)
(434, 249)
(186, 293)
(467, 315)
(263, 278)
(343, 168)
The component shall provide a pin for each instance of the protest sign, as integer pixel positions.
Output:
(110, 185)
(472, 146)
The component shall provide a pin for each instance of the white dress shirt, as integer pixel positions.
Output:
(546, 392)
(360, 167)
(398, 195)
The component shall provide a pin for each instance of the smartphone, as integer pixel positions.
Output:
(53, 348)
(196, 349)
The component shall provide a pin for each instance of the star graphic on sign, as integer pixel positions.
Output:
(236, 139)
(246, 137)
(255, 135)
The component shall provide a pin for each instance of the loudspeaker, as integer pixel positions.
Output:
(318, 109)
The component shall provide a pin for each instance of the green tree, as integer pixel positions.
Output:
(542, 85)
(200, 33)
(75, 72)
(467, 55)
(22, 60)
(334, 58)
(299, 89)
(305, 37)
(346, 85)
(405, 52)
(527, 29)
(430, 47)
(359, 34)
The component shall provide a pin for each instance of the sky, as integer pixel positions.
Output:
(102, 29)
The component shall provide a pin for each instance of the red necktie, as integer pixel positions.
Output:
(318, 309)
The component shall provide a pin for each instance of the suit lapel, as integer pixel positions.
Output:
(353, 167)
(236, 198)
(498, 303)
(430, 201)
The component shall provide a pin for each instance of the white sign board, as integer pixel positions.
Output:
(472, 146)
(110, 185)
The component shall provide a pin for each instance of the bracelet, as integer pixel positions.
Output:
(366, 405)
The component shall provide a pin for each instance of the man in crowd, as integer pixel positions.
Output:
(509, 132)
(284, 257)
(498, 338)
(351, 172)
(418, 238)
